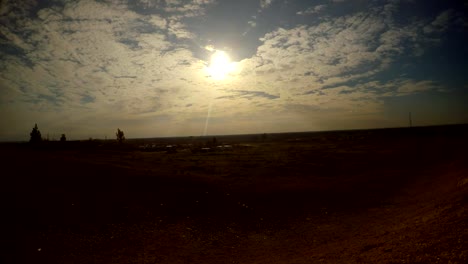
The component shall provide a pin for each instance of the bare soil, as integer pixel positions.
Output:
(374, 196)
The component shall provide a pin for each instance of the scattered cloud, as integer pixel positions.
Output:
(265, 3)
(179, 30)
(115, 56)
(338, 50)
(410, 86)
(313, 10)
(187, 8)
(440, 23)
(235, 94)
(138, 62)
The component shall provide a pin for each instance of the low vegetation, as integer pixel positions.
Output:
(372, 196)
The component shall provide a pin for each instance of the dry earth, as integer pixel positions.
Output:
(342, 197)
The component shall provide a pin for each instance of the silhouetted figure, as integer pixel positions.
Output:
(63, 138)
(120, 135)
(35, 135)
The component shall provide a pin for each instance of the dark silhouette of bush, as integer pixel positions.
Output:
(35, 135)
(63, 138)
(120, 135)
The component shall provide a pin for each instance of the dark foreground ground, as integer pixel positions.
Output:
(378, 196)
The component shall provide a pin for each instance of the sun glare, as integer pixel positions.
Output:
(220, 65)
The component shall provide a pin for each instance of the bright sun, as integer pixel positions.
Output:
(220, 65)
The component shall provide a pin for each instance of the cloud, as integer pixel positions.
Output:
(313, 10)
(337, 50)
(248, 95)
(179, 30)
(410, 86)
(400, 87)
(331, 49)
(265, 3)
(303, 62)
(187, 8)
(441, 22)
(107, 59)
(142, 64)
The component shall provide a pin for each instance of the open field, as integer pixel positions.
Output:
(371, 196)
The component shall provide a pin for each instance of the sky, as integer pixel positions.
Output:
(158, 68)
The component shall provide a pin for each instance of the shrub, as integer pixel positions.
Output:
(120, 135)
(35, 135)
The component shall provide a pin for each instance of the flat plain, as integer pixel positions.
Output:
(363, 196)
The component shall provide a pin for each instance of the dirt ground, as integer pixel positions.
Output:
(373, 196)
